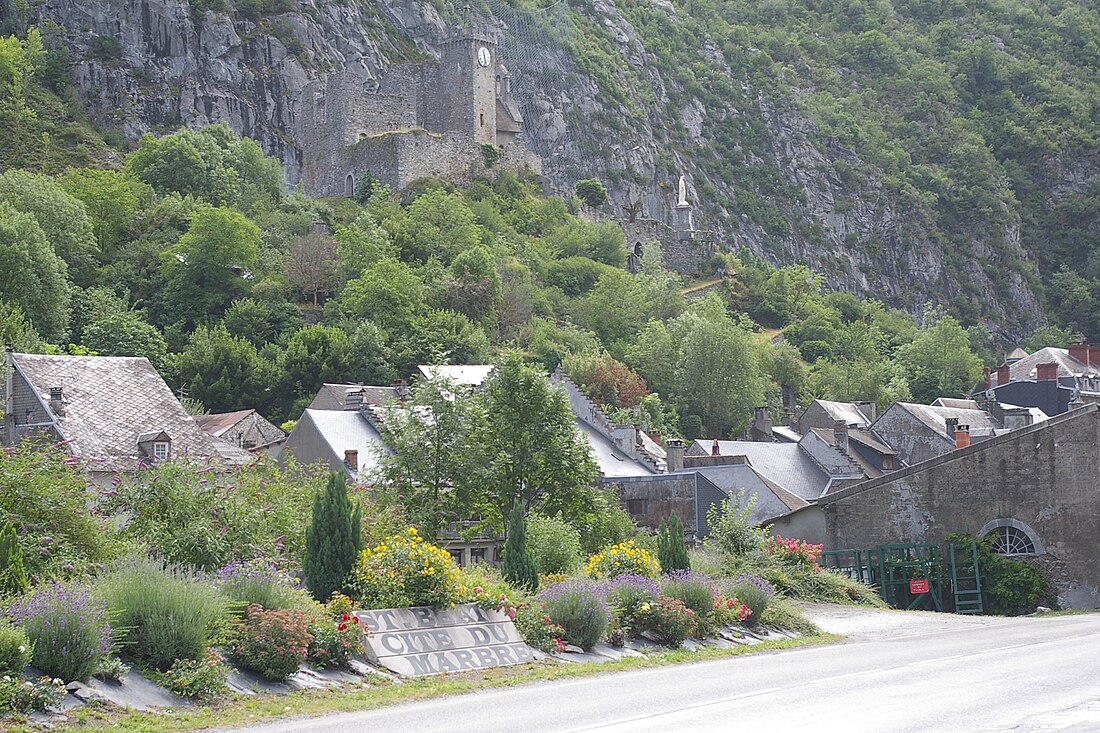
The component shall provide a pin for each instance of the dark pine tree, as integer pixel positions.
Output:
(671, 551)
(333, 539)
(519, 567)
(13, 577)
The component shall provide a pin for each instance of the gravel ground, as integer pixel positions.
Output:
(862, 623)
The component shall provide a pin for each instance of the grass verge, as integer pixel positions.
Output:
(250, 710)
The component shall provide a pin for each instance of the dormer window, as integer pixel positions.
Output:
(156, 446)
(161, 449)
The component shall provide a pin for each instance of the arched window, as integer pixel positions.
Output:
(349, 186)
(637, 249)
(1012, 537)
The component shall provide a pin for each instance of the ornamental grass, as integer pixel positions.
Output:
(261, 582)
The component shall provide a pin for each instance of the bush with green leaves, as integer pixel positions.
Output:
(335, 639)
(202, 679)
(164, 611)
(671, 550)
(188, 514)
(45, 498)
(518, 567)
(555, 545)
(272, 643)
(13, 577)
(16, 649)
(578, 605)
(696, 590)
(731, 527)
(24, 696)
(403, 570)
(1011, 586)
(333, 539)
(260, 581)
(667, 620)
(68, 628)
(754, 592)
(627, 594)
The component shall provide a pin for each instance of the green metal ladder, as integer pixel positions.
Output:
(966, 581)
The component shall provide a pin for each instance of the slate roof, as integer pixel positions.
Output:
(473, 375)
(1068, 366)
(956, 403)
(980, 421)
(783, 463)
(845, 412)
(772, 500)
(109, 401)
(612, 462)
(218, 423)
(324, 435)
(335, 396)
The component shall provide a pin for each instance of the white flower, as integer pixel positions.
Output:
(22, 649)
(7, 678)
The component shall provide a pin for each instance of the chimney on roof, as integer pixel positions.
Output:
(351, 459)
(840, 436)
(760, 429)
(353, 400)
(950, 423)
(401, 387)
(674, 454)
(1004, 374)
(869, 410)
(638, 435)
(1046, 372)
(1080, 352)
(57, 401)
(987, 378)
(962, 436)
(714, 449)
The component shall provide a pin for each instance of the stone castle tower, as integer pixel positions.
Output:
(430, 119)
(468, 82)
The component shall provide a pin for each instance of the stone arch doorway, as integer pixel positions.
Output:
(349, 186)
(1012, 538)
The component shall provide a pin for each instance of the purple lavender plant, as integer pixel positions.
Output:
(260, 582)
(755, 580)
(68, 627)
(579, 606)
(694, 588)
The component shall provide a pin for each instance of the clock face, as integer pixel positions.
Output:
(483, 56)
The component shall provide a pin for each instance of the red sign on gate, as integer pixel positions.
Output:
(918, 586)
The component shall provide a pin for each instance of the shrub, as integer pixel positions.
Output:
(261, 582)
(201, 679)
(335, 640)
(166, 611)
(333, 539)
(622, 559)
(273, 643)
(579, 607)
(671, 551)
(538, 629)
(793, 551)
(731, 528)
(518, 567)
(13, 577)
(16, 649)
(112, 669)
(554, 544)
(667, 620)
(696, 590)
(754, 592)
(68, 628)
(23, 696)
(45, 497)
(627, 593)
(404, 570)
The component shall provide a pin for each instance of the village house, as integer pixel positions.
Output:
(246, 429)
(114, 413)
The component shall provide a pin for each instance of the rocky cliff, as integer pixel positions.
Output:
(600, 98)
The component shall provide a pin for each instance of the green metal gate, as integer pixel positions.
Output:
(914, 576)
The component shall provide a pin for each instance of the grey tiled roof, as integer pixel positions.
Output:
(980, 421)
(845, 412)
(1068, 366)
(109, 401)
(335, 396)
(324, 435)
(772, 500)
(612, 462)
(784, 463)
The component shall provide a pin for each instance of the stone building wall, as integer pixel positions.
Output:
(685, 255)
(1045, 477)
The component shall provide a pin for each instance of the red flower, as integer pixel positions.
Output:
(346, 617)
(342, 627)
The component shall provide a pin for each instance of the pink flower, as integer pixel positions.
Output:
(512, 613)
(479, 589)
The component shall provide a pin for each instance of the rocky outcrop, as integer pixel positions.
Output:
(183, 66)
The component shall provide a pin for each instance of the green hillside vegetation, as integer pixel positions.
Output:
(974, 117)
(191, 254)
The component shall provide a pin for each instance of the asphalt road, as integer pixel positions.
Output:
(897, 672)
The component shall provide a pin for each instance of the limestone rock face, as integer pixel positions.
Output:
(182, 66)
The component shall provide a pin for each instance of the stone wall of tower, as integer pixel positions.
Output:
(468, 89)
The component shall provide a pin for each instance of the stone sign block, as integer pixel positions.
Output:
(422, 640)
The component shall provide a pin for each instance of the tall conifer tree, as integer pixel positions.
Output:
(333, 539)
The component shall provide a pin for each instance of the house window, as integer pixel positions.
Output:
(477, 554)
(1012, 541)
(636, 507)
(160, 450)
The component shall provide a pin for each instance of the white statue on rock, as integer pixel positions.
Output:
(683, 193)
